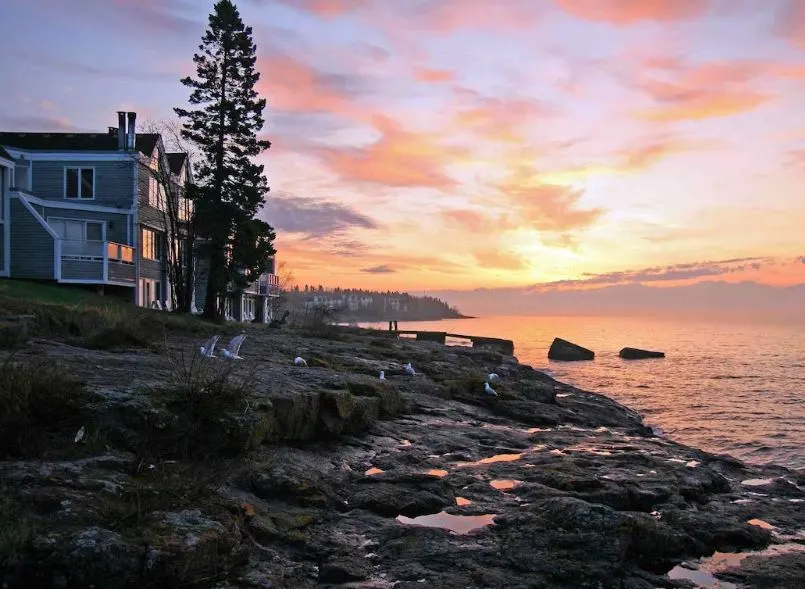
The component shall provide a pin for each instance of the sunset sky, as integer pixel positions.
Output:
(433, 144)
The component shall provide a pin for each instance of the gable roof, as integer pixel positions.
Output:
(176, 161)
(145, 142)
(4, 155)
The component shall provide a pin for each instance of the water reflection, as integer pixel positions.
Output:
(504, 484)
(373, 471)
(462, 502)
(761, 524)
(458, 524)
(757, 482)
(493, 459)
(436, 472)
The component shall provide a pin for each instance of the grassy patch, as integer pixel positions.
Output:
(41, 408)
(15, 532)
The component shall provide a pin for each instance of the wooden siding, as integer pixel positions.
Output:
(121, 272)
(116, 225)
(81, 270)
(147, 214)
(114, 181)
(2, 245)
(31, 245)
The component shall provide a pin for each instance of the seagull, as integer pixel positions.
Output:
(492, 377)
(208, 347)
(489, 390)
(80, 435)
(410, 369)
(382, 375)
(299, 361)
(232, 350)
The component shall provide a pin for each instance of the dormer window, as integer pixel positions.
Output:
(79, 183)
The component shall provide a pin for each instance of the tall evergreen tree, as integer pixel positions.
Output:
(231, 187)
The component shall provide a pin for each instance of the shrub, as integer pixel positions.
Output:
(41, 407)
(15, 532)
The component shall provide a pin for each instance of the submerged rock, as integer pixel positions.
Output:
(568, 351)
(638, 354)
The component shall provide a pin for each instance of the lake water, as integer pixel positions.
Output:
(736, 388)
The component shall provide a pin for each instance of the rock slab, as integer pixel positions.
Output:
(568, 351)
(638, 354)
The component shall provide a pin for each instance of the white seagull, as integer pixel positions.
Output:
(208, 347)
(299, 361)
(410, 369)
(233, 349)
(492, 377)
(80, 435)
(382, 375)
(489, 390)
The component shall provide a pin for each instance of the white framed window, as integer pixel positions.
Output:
(155, 196)
(79, 183)
(78, 229)
(151, 245)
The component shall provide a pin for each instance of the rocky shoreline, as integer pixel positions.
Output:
(254, 474)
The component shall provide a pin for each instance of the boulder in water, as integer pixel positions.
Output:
(638, 354)
(568, 351)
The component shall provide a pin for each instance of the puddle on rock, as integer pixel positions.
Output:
(458, 524)
(462, 502)
(761, 524)
(692, 464)
(493, 459)
(702, 573)
(534, 430)
(757, 482)
(405, 443)
(373, 471)
(437, 472)
(504, 484)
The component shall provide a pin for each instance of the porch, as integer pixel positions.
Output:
(99, 262)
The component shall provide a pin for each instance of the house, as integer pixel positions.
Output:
(89, 209)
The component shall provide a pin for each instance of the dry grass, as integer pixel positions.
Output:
(41, 408)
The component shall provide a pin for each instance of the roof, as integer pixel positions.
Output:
(176, 161)
(145, 142)
(4, 155)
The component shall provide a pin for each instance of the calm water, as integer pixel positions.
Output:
(723, 387)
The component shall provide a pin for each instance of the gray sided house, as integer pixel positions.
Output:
(87, 209)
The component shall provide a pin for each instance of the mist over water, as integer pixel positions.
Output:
(736, 388)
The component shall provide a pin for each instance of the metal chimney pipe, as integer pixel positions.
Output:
(121, 130)
(132, 134)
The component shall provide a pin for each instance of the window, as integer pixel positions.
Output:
(77, 230)
(155, 194)
(79, 183)
(151, 245)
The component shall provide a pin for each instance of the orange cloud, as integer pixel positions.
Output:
(791, 22)
(398, 158)
(327, 8)
(497, 119)
(711, 90)
(628, 12)
(432, 75)
(293, 86)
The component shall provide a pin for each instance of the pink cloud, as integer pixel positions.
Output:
(628, 12)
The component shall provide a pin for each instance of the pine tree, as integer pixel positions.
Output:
(231, 187)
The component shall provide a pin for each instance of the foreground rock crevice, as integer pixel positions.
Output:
(264, 474)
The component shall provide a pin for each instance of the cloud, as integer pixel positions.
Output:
(630, 12)
(312, 217)
(791, 22)
(382, 269)
(63, 65)
(801, 259)
(497, 119)
(327, 8)
(675, 272)
(294, 86)
(36, 123)
(710, 90)
(499, 260)
(398, 158)
(423, 74)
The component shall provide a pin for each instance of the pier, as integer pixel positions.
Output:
(502, 345)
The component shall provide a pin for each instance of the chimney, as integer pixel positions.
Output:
(121, 130)
(131, 138)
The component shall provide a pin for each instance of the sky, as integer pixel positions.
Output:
(434, 145)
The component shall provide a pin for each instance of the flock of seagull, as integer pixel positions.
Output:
(232, 352)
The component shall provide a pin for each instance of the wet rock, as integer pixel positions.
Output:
(786, 571)
(568, 352)
(638, 354)
(343, 568)
(392, 500)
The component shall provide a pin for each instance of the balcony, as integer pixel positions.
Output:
(95, 262)
(269, 284)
